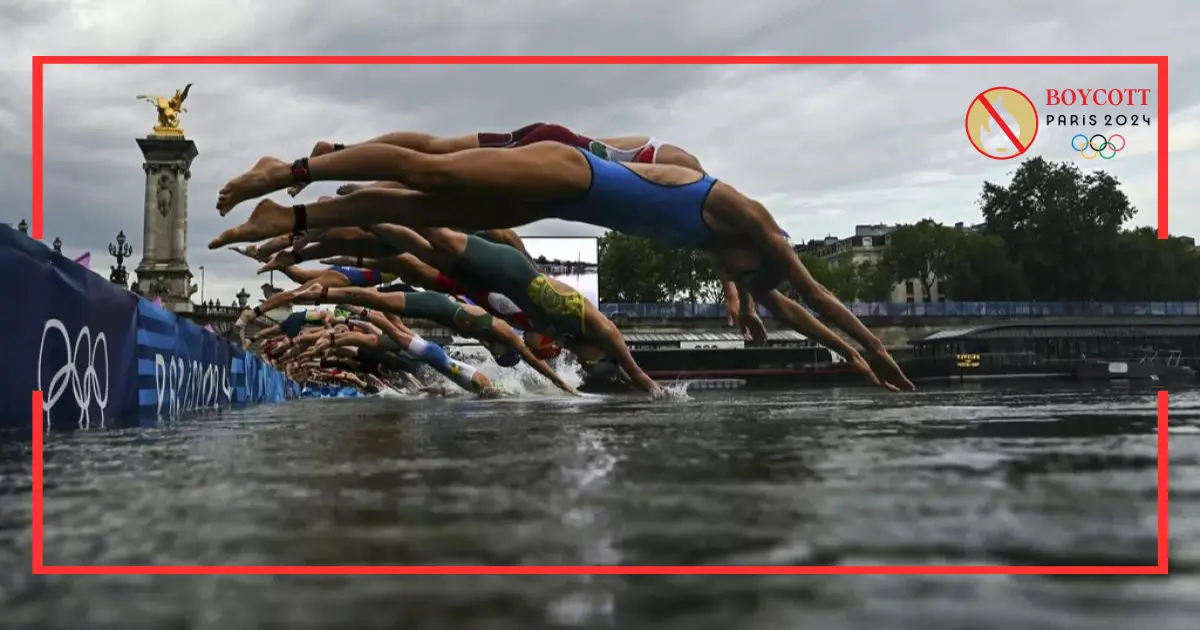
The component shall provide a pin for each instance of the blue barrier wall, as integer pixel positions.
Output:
(104, 357)
(1014, 310)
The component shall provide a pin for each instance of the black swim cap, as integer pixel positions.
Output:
(509, 359)
(395, 287)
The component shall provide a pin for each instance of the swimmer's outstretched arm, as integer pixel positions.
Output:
(827, 305)
(747, 316)
(798, 318)
(606, 336)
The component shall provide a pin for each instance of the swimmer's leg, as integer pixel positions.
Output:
(463, 375)
(539, 172)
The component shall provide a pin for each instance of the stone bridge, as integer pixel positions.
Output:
(898, 323)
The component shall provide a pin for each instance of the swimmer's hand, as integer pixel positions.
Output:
(888, 371)
(346, 189)
(491, 392)
(752, 327)
(864, 367)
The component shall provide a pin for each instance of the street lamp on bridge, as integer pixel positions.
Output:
(120, 251)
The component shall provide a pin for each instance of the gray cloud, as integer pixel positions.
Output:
(826, 147)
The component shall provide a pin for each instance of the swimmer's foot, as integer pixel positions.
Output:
(320, 148)
(266, 176)
(250, 252)
(268, 220)
(278, 261)
(312, 294)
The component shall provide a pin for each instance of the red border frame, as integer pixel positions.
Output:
(40, 568)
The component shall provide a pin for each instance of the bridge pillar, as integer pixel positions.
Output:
(163, 271)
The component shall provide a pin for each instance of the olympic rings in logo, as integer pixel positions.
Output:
(1097, 146)
(86, 387)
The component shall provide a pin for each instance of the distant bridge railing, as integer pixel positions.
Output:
(1012, 310)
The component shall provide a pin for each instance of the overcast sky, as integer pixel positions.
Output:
(825, 148)
(565, 249)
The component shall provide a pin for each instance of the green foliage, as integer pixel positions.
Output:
(634, 269)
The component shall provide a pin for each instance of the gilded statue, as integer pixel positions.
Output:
(169, 110)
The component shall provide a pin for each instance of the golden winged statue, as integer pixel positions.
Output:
(169, 110)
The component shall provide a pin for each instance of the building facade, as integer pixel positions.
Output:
(867, 247)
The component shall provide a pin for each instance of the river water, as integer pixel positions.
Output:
(966, 474)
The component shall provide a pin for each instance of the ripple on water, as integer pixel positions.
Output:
(849, 476)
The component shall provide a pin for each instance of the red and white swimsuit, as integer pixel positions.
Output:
(541, 132)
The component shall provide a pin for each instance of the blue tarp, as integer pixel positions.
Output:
(104, 357)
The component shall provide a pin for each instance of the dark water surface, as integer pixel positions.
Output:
(963, 475)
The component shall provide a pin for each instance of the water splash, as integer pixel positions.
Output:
(521, 380)
(677, 391)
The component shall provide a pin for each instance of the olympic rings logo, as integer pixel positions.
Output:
(1097, 146)
(86, 387)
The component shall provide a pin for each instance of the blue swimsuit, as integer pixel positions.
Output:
(364, 278)
(620, 199)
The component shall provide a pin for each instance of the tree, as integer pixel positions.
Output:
(689, 274)
(1061, 226)
(923, 252)
(875, 282)
(981, 270)
(1150, 269)
(634, 269)
(631, 270)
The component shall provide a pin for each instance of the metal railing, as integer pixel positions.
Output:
(1006, 310)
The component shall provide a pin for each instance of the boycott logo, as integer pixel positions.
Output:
(1002, 123)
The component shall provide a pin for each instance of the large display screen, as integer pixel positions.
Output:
(573, 260)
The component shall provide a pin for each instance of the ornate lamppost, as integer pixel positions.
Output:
(24, 227)
(57, 245)
(121, 250)
(243, 298)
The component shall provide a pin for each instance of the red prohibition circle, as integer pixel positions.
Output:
(1021, 150)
